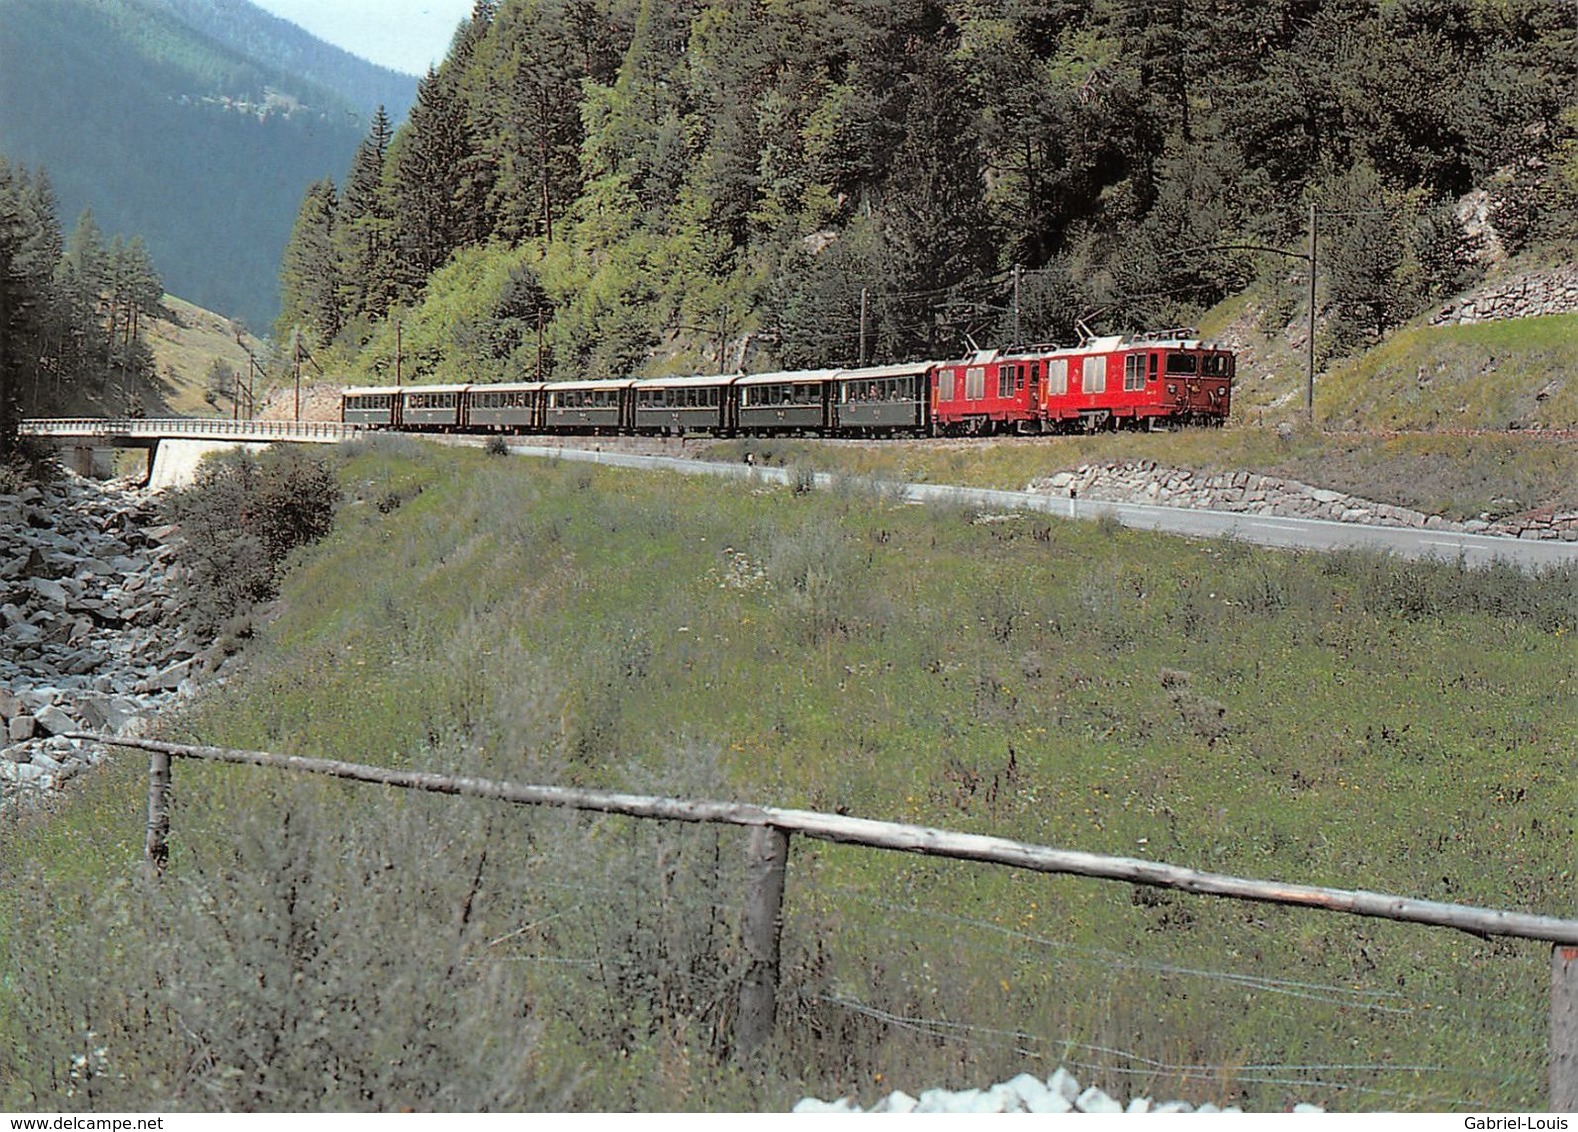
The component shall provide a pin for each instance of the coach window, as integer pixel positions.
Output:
(1093, 378)
(975, 383)
(1155, 358)
(1057, 376)
(1134, 372)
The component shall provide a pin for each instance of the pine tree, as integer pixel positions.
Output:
(309, 279)
(25, 272)
(364, 236)
(430, 155)
(528, 114)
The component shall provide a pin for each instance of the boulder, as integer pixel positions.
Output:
(54, 720)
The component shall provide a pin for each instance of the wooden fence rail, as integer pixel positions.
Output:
(768, 860)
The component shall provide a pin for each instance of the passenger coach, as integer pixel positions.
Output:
(674, 406)
(881, 399)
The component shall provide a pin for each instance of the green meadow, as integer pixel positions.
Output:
(1340, 720)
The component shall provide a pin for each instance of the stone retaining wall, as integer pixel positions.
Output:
(1524, 296)
(1145, 481)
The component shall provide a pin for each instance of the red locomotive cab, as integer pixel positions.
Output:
(1197, 381)
(1174, 377)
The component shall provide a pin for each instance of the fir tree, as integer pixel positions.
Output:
(309, 281)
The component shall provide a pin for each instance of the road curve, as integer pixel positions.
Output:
(1263, 530)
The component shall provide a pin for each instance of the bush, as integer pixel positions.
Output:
(28, 461)
(239, 521)
(306, 964)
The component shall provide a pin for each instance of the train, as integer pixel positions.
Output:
(1120, 381)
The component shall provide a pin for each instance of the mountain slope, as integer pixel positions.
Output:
(168, 133)
(259, 35)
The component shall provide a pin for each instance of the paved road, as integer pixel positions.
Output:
(1264, 530)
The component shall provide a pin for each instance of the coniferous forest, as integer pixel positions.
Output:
(598, 187)
(72, 307)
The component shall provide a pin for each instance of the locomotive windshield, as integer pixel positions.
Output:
(1182, 363)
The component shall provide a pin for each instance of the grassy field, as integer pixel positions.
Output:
(1338, 720)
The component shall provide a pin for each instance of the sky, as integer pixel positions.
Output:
(406, 35)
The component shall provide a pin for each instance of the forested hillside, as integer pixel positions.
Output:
(72, 308)
(665, 187)
(201, 145)
(268, 40)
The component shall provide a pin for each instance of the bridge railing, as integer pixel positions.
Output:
(177, 428)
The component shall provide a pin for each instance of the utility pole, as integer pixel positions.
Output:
(295, 341)
(1016, 306)
(539, 343)
(862, 326)
(399, 350)
(1309, 383)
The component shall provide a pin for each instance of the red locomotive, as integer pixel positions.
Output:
(1102, 383)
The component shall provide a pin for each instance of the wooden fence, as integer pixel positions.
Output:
(768, 856)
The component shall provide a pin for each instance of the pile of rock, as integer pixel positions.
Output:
(88, 633)
(1025, 1093)
(1145, 481)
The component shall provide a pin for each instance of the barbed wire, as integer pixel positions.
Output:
(1334, 994)
(1267, 1073)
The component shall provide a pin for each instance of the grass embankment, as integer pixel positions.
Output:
(1334, 720)
(1516, 374)
(1459, 477)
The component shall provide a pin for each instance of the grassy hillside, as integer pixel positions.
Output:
(1516, 374)
(1337, 720)
(185, 346)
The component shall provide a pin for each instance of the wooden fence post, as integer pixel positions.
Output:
(1564, 1028)
(156, 851)
(760, 930)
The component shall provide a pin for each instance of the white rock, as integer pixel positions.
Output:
(1004, 1098)
(1094, 1100)
(1035, 1095)
(935, 1100)
(1064, 1084)
(896, 1101)
(811, 1104)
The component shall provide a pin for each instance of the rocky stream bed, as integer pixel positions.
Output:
(89, 632)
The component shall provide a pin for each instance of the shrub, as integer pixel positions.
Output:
(306, 964)
(239, 521)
